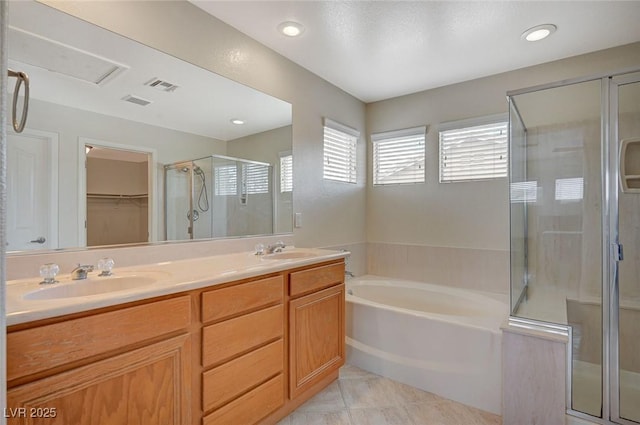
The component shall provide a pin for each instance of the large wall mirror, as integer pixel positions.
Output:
(125, 144)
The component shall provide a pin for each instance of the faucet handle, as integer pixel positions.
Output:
(105, 265)
(48, 273)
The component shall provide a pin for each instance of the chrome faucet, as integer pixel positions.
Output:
(80, 272)
(276, 247)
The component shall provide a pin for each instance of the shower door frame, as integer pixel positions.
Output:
(609, 82)
(613, 172)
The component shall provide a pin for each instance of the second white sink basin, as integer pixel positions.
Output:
(96, 285)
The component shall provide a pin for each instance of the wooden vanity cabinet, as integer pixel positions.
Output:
(242, 353)
(128, 366)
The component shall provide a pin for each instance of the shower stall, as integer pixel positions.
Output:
(218, 196)
(575, 232)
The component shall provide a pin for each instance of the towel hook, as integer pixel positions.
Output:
(21, 77)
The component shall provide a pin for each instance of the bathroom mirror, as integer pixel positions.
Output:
(106, 115)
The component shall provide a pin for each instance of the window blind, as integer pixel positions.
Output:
(286, 173)
(474, 153)
(256, 178)
(398, 156)
(570, 189)
(226, 180)
(524, 192)
(340, 144)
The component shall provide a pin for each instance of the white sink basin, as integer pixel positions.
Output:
(95, 285)
(288, 255)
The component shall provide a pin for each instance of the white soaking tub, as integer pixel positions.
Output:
(441, 339)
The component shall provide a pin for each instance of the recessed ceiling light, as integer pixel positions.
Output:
(237, 121)
(291, 29)
(539, 32)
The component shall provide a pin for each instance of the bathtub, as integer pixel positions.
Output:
(443, 340)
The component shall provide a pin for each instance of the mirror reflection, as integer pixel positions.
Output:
(108, 116)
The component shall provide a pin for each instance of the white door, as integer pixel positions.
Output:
(32, 213)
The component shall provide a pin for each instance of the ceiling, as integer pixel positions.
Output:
(375, 50)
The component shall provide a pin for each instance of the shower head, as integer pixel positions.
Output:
(196, 169)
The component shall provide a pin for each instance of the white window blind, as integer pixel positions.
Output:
(570, 189)
(474, 153)
(398, 156)
(286, 173)
(340, 144)
(256, 178)
(524, 192)
(226, 180)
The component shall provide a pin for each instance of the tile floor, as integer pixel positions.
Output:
(362, 398)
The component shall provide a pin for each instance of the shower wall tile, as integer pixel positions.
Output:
(478, 269)
(533, 371)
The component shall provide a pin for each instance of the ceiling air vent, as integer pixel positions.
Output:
(137, 100)
(36, 50)
(159, 84)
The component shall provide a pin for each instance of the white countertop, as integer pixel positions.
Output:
(167, 278)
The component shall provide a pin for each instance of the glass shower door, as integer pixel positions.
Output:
(626, 388)
(178, 201)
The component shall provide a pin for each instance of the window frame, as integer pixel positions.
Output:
(388, 136)
(288, 187)
(352, 148)
(468, 123)
(254, 182)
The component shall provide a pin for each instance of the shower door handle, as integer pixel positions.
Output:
(618, 252)
(40, 240)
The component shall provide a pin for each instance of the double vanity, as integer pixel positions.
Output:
(229, 339)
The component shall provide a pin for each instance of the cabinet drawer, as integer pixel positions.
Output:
(227, 381)
(226, 339)
(37, 349)
(251, 407)
(221, 303)
(311, 280)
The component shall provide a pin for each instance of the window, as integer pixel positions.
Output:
(398, 156)
(286, 172)
(226, 180)
(524, 192)
(256, 178)
(339, 152)
(474, 152)
(569, 189)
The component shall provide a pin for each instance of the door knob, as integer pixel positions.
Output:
(41, 239)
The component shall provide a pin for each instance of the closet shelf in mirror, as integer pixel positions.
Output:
(108, 196)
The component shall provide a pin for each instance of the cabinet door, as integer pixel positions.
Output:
(316, 339)
(150, 386)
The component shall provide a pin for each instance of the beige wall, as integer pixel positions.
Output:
(463, 215)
